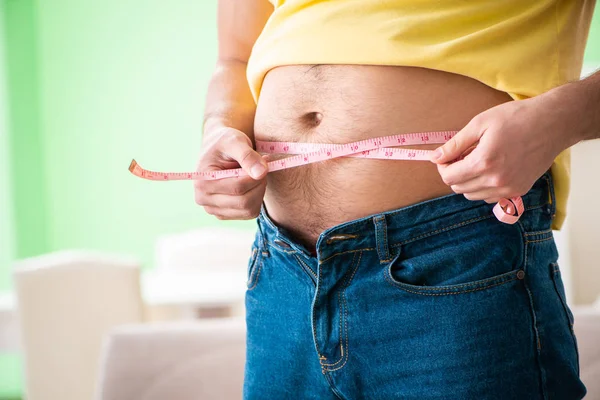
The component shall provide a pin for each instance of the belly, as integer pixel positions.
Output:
(341, 104)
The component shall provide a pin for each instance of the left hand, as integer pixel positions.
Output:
(516, 142)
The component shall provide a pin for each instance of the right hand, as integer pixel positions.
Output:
(237, 197)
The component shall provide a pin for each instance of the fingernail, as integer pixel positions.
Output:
(436, 154)
(257, 170)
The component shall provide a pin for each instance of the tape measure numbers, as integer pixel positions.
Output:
(383, 148)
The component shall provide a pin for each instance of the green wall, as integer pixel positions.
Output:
(592, 51)
(94, 84)
(122, 79)
(6, 206)
(27, 178)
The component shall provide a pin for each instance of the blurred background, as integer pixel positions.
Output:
(86, 86)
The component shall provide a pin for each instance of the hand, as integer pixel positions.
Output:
(231, 198)
(502, 151)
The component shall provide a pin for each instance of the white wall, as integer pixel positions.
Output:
(584, 222)
(579, 241)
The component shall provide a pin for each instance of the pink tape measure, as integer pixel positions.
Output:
(383, 148)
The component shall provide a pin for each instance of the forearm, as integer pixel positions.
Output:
(229, 101)
(579, 105)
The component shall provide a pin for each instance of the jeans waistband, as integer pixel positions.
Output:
(382, 230)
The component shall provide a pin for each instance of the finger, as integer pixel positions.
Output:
(239, 148)
(233, 207)
(232, 214)
(461, 171)
(491, 193)
(476, 184)
(226, 201)
(492, 200)
(235, 186)
(458, 144)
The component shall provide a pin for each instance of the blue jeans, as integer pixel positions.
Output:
(437, 300)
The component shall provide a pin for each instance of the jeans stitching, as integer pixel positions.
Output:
(305, 267)
(420, 205)
(377, 235)
(347, 282)
(344, 252)
(324, 364)
(451, 287)
(276, 247)
(421, 236)
(551, 191)
(556, 274)
(436, 231)
(502, 281)
(535, 207)
(539, 240)
(381, 240)
(460, 285)
(339, 327)
(538, 232)
(335, 391)
(455, 289)
(536, 332)
(257, 273)
(314, 329)
(251, 266)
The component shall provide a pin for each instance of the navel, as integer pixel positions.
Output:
(312, 119)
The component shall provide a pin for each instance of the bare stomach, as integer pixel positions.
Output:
(341, 104)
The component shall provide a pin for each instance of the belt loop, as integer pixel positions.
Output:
(552, 194)
(383, 250)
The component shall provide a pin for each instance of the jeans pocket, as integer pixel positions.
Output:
(472, 257)
(560, 292)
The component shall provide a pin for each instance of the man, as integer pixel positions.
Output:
(392, 279)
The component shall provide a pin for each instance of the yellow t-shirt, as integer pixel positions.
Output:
(521, 47)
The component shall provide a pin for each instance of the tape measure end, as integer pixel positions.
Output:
(132, 166)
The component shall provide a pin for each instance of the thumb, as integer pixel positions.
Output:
(457, 145)
(240, 149)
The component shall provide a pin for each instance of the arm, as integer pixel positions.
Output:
(229, 102)
(228, 129)
(582, 102)
(519, 140)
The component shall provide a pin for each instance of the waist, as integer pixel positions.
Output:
(342, 104)
(418, 221)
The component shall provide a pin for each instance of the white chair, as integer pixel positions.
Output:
(190, 253)
(177, 360)
(9, 324)
(210, 248)
(204, 359)
(67, 302)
